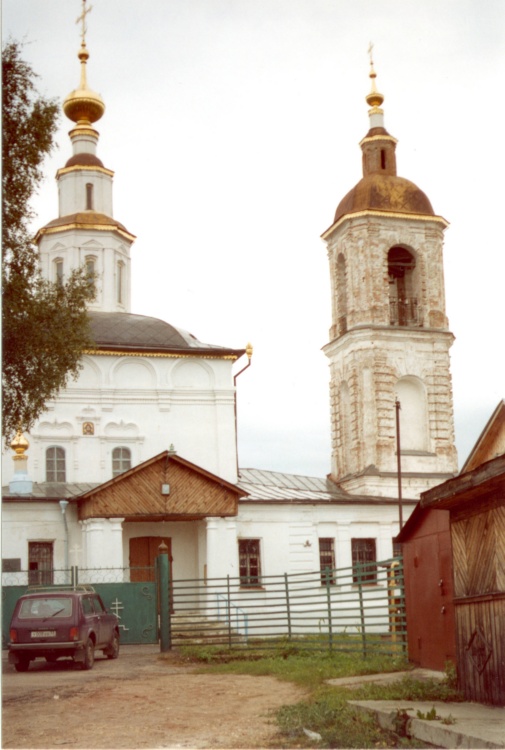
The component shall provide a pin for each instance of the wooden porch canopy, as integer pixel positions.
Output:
(163, 488)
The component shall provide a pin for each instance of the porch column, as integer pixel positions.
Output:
(222, 552)
(104, 548)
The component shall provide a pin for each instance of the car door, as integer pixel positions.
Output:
(105, 621)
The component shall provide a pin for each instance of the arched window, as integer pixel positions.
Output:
(341, 295)
(55, 464)
(411, 394)
(120, 282)
(89, 196)
(58, 271)
(90, 263)
(403, 308)
(121, 460)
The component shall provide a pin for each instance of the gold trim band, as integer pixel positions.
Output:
(388, 214)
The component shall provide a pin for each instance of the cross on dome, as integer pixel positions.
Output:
(82, 20)
(374, 99)
(82, 105)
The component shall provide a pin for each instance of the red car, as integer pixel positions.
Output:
(61, 622)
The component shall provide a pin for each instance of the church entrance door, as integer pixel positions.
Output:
(143, 553)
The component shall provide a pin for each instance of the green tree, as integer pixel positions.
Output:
(45, 326)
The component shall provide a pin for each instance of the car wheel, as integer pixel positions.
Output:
(89, 655)
(112, 651)
(22, 665)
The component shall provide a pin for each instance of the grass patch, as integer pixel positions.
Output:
(326, 710)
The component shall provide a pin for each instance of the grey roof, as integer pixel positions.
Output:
(273, 485)
(126, 331)
(51, 491)
(261, 485)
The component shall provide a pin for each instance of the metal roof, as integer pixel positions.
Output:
(126, 331)
(51, 491)
(273, 485)
(261, 486)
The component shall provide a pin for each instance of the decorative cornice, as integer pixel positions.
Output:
(77, 225)
(385, 137)
(384, 214)
(84, 168)
(166, 355)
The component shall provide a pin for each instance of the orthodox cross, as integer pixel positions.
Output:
(82, 20)
(370, 52)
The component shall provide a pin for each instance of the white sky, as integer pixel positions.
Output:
(233, 128)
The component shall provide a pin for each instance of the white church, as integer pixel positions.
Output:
(142, 447)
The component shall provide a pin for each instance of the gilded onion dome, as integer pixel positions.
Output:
(82, 105)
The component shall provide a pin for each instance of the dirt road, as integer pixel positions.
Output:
(139, 700)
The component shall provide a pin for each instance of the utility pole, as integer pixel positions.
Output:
(399, 462)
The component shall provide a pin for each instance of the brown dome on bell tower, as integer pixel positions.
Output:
(381, 189)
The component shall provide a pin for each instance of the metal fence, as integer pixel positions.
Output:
(357, 609)
(354, 609)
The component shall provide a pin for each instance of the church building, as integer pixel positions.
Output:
(142, 447)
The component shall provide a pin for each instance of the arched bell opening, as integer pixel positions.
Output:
(403, 301)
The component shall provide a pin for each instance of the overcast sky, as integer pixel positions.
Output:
(233, 129)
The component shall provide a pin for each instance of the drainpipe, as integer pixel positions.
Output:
(249, 352)
(63, 506)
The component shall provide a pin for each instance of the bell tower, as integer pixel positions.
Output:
(85, 234)
(389, 338)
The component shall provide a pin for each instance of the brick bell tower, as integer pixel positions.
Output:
(389, 338)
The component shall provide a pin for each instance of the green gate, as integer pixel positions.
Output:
(135, 604)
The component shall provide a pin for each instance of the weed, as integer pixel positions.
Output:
(326, 712)
(430, 715)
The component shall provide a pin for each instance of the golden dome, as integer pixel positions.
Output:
(19, 443)
(82, 105)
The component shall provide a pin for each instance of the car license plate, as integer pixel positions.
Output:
(43, 633)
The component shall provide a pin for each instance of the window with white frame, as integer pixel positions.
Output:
(249, 562)
(121, 460)
(55, 464)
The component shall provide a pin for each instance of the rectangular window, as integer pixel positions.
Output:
(364, 557)
(249, 562)
(327, 560)
(40, 563)
(397, 549)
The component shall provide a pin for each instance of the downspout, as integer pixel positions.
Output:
(249, 352)
(63, 506)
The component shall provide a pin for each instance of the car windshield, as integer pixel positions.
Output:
(47, 607)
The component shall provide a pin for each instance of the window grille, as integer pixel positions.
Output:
(327, 560)
(249, 562)
(40, 563)
(364, 557)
